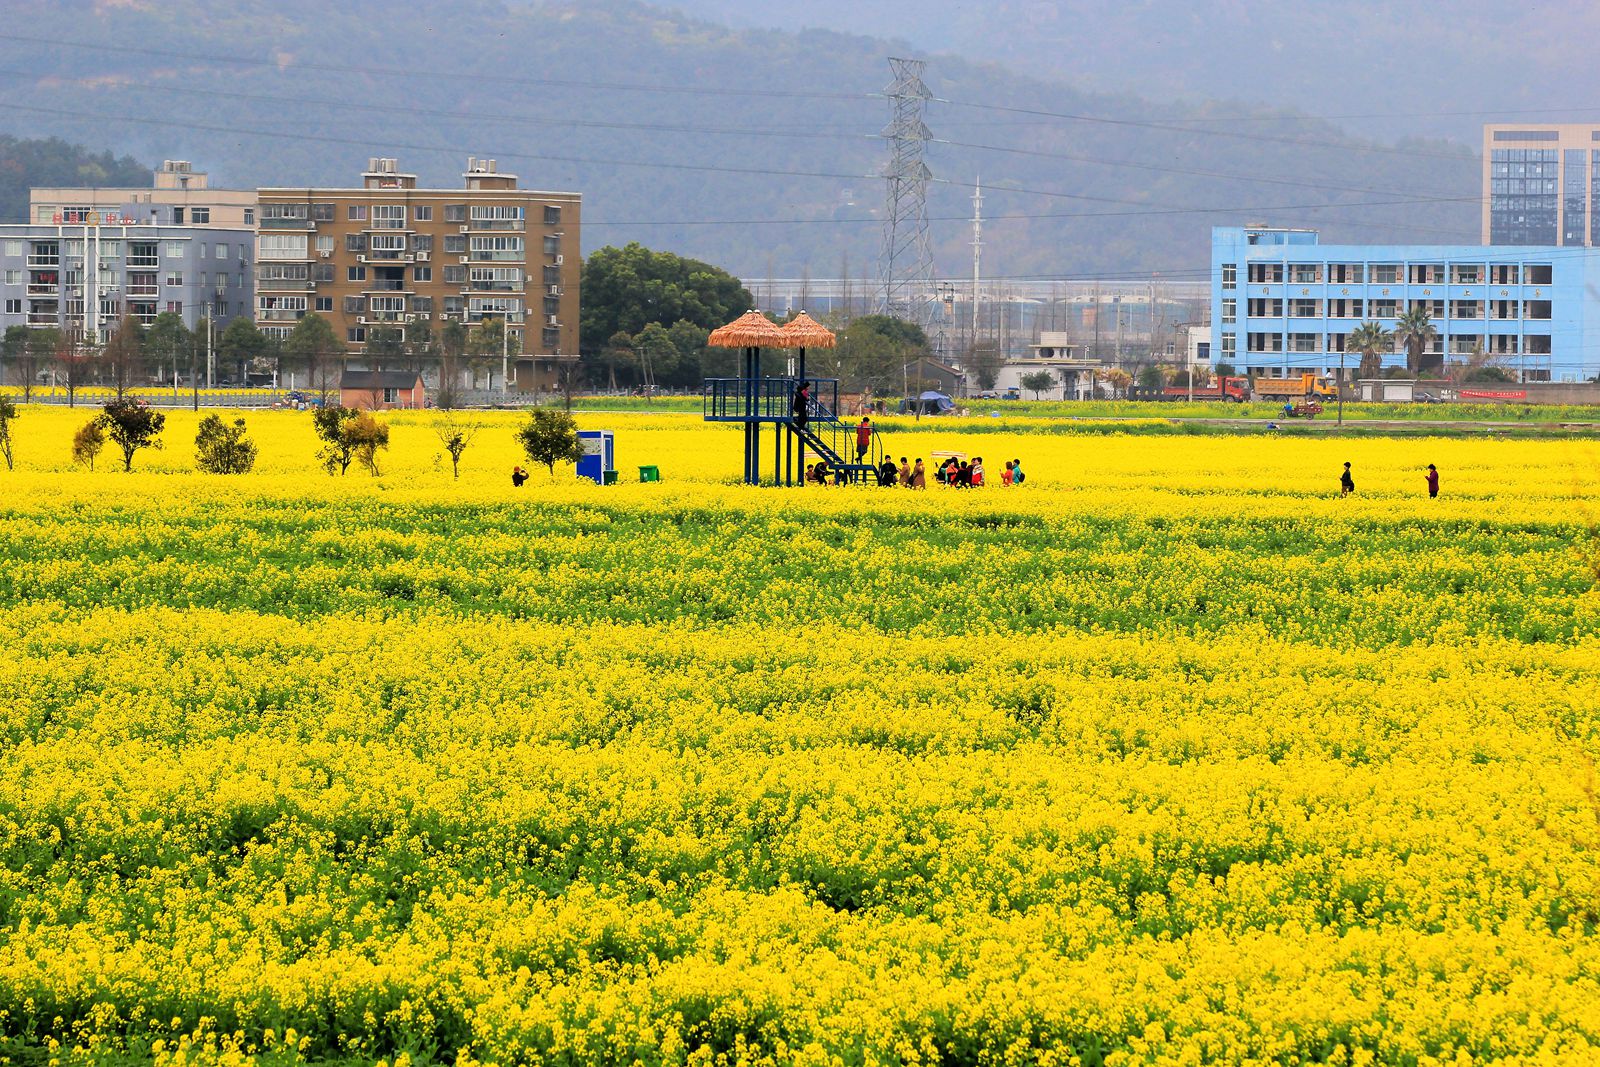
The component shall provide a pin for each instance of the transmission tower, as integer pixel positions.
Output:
(905, 264)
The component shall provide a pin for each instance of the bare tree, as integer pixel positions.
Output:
(455, 436)
(123, 355)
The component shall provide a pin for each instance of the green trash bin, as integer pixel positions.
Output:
(610, 478)
(651, 473)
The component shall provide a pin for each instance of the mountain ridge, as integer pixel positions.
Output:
(623, 102)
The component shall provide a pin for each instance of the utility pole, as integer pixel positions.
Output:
(211, 362)
(977, 251)
(505, 354)
(905, 262)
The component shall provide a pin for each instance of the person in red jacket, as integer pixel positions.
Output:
(863, 438)
(1433, 480)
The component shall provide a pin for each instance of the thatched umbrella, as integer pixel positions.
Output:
(805, 332)
(750, 330)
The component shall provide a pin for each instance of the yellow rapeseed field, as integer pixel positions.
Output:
(1170, 756)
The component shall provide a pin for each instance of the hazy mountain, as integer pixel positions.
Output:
(750, 148)
(1393, 68)
(27, 163)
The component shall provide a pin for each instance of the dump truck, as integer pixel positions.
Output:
(1235, 389)
(1300, 386)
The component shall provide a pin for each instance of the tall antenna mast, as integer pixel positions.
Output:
(977, 251)
(905, 264)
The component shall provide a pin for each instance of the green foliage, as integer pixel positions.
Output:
(28, 162)
(1371, 340)
(984, 360)
(1414, 330)
(8, 415)
(241, 344)
(627, 289)
(1489, 373)
(131, 427)
(1036, 382)
(550, 437)
(167, 340)
(223, 449)
(347, 436)
(87, 443)
(313, 347)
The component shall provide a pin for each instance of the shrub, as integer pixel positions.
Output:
(223, 449)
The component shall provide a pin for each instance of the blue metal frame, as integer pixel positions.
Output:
(765, 399)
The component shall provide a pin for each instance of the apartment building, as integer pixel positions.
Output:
(388, 254)
(178, 195)
(1541, 184)
(1283, 303)
(82, 275)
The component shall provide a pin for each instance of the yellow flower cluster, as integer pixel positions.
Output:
(1170, 756)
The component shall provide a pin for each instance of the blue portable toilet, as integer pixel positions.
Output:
(598, 456)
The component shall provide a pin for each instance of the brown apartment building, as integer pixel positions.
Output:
(388, 254)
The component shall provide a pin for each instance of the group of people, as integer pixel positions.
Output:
(953, 472)
(1347, 481)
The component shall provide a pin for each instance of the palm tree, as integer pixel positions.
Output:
(1415, 332)
(1370, 339)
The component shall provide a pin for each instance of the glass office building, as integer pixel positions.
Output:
(1541, 185)
(1283, 303)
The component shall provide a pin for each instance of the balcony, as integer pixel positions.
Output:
(280, 314)
(43, 262)
(513, 225)
(286, 224)
(142, 262)
(145, 291)
(485, 255)
(515, 318)
(284, 285)
(386, 286)
(385, 318)
(49, 289)
(43, 318)
(493, 287)
(386, 256)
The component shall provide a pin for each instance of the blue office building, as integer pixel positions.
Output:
(1283, 303)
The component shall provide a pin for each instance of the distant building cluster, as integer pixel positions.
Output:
(383, 254)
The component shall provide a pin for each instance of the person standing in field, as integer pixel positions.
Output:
(919, 476)
(1433, 480)
(1016, 472)
(977, 472)
(1005, 475)
(1347, 484)
(887, 472)
(863, 438)
(905, 473)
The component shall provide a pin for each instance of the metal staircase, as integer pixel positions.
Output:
(758, 401)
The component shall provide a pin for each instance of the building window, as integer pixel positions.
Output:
(277, 246)
(324, 303)
(552, 215)
(200, 215)
(1536, 274)
(455, 242)
(291, 213)
(322, 272)
(455, 275)
(452, 305)
(13, 307)
(422, 274)
(1230, 275)
(1305, 273)
(201, 245)
(13, 277)
(1227, 344)
(222, 251)
(422, 242)
(391, 395)
(355, 242)
(325, 245)
(174, 278)
(422, 304)
(358, 213)
(322, 212)
(455, 213)
(497, 248)
(356, 334)
(552, 245)
(1259, 273)
(355, 305)
(177, 216)
(1466, 274)
(389, 216)
(422, 212)
(1301, 308)
(355, 274)
(249, 216)
(1230, 310)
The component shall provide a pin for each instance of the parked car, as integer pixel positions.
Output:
(1425, 398)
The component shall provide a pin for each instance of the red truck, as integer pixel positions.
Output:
(1236, 390)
